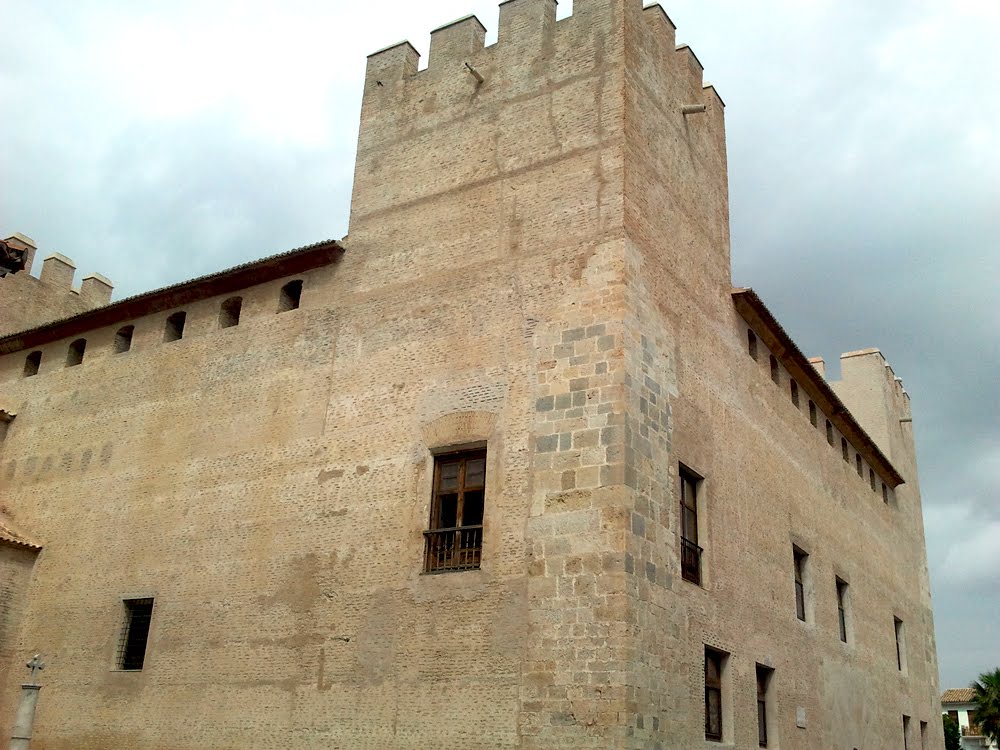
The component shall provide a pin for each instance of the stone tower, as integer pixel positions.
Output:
(675, 529)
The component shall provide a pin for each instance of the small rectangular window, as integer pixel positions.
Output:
(174, 328)
(812, 413)
(290, 296)
(76, 351)
(842, 609)
(31, 364)
(794, 387)
(135, 633)
(775, 371)
(845, 453)
(829, 432)
(799, 559)
(923, 735)
(714, 665)
(885, 493)
(763, 686)
(229, 312)
(454, 540)
(123, 339)
(871, 478)
(690, 551)
(752, 344)
(906, 732)
(858, 465)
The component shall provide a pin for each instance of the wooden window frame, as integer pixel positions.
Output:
(715, 660)
(691, 552)
(764, 675)
(459, 547)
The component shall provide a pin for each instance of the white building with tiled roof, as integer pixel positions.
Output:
(960, 704)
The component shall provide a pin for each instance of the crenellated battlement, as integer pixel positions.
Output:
(546, 89)
(523, 25)
(27, 300)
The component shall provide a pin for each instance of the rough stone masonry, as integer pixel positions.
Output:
(686, 536)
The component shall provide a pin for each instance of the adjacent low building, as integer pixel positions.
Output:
(960, 704)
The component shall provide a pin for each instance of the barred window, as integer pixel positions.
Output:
(135, 633)
(454, 540)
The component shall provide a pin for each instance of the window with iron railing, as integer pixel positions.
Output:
(690, 551)
(454, 540)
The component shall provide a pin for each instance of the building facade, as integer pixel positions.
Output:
(512, 465)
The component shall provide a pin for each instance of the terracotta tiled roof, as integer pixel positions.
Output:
(239, 277)
(755, 312)
(12, 537)
(958, 695)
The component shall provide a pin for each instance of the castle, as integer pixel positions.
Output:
(512, 465)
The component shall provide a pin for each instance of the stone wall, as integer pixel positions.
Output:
(537, 261)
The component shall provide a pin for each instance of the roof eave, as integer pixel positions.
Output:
(223, 282)
(770, 331)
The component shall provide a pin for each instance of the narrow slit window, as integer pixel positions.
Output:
(923, 735)
(714, 664)
(123, 339)
(763, 686)
(842, 608)
(290, 296)
(799, 560)
(135, 633)
(31, 364)
(76, 351)
(859, 465)
(845, 453)
(775, 371)
(174, 329)
(829, 432)
(229, 312)
(906, 732)
(752, 344)
(812, 413)
(871, 478)
(885, 493)
(794, 388)
(900, 644)
(454, 540)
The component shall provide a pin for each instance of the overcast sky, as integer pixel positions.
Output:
(158, 141)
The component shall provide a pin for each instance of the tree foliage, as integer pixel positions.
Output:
(987, 699)
(952, 734)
